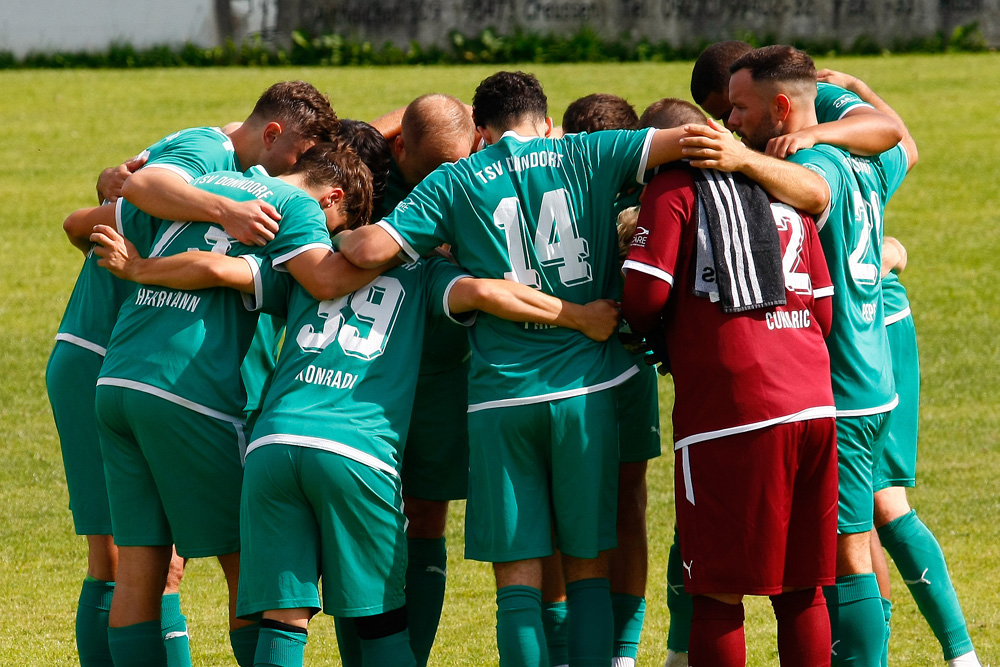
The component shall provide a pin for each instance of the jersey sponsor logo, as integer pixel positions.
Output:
(155, 298)
(640, 238)
(784, 319)
(327, 377)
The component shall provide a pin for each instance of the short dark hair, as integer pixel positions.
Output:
(778, 64)
(599, 111)
(711, 70)
(505, 98)
(327, 164)
(369, 145)
(301, 106)
(671, 112)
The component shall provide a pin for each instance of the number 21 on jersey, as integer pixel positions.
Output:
(557, 241)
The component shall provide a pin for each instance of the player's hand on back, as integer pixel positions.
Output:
(117, 253)
(111, 180)
(845, 81)
(250, 222)
(712, 146)
(600, 319)
(782, 147)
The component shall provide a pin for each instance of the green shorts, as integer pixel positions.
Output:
(540, 469)
(638, 416)
(436, 453)
(860, 442)
(309, 514)
(898, 465)
(71, 380)
(174, 475)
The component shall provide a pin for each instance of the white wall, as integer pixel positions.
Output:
(92, 25)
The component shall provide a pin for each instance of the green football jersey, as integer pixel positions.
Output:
(538, 212)
(850, 231)
(344, 380)
(832, 102)
(187, 346)
(897, 305)
(97, 295)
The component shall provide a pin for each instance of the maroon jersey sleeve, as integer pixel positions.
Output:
(652, 259)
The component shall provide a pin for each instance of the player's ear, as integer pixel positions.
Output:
(333, 197)
(548, 126)
(271, 133)
(781, 105)
(397, 145)
(487, 135)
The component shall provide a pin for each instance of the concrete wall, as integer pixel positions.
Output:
(70, 25)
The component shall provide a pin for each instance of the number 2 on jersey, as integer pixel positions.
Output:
(374, 306)
(557, 241)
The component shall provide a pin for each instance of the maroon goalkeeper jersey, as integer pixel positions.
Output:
(732, 372)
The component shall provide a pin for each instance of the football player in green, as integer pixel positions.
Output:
(542, 425)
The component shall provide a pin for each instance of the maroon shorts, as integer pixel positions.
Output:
(764, 510)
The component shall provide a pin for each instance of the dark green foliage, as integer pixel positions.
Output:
(488, 47)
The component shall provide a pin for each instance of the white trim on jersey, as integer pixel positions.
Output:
(852, 107)
(172, 232)
(644, 159)
(118, 215)
(896, 317)
(253, 302)
(818, 412)
(167, 396)
(81, 342)
(467, 319)
(823, 292)
(554, 396)
(407, 248)
(864, 412)
(686, 467)
(171, 168)
(648, 270)
(277, 262)
(333, 446)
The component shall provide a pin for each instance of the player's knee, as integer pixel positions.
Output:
(175, 572)
(427, 518)
(854, 554)
(381, 625)
(890, 504)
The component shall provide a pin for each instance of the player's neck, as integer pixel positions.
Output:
(524, 128)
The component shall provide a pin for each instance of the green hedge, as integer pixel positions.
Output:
(487, 47)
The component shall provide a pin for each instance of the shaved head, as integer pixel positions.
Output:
(436, 129)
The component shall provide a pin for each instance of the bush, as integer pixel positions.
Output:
(489, 47)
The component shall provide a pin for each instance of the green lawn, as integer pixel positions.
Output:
(58, 129)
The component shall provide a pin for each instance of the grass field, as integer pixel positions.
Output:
(58, 129)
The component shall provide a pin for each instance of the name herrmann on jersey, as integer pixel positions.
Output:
(166, 299)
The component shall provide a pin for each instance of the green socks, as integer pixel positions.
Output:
(92, 623)
(921, 563)
(426, 573)
(857, 623)
(520, 637)
(278, 648)
(887, 614)
(554, 623)
(678, 601)
(391, 651)
(244, 643)
(348, 642)
(629, 613)
(138, 645)
(92, 634)
(173, 627)
(591, 624)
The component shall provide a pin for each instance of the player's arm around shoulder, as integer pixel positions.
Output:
(597, 320)
(80, 224)
(192, 270)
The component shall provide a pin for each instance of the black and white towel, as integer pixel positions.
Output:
(739, 251)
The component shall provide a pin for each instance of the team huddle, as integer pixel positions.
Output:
(234, 374)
